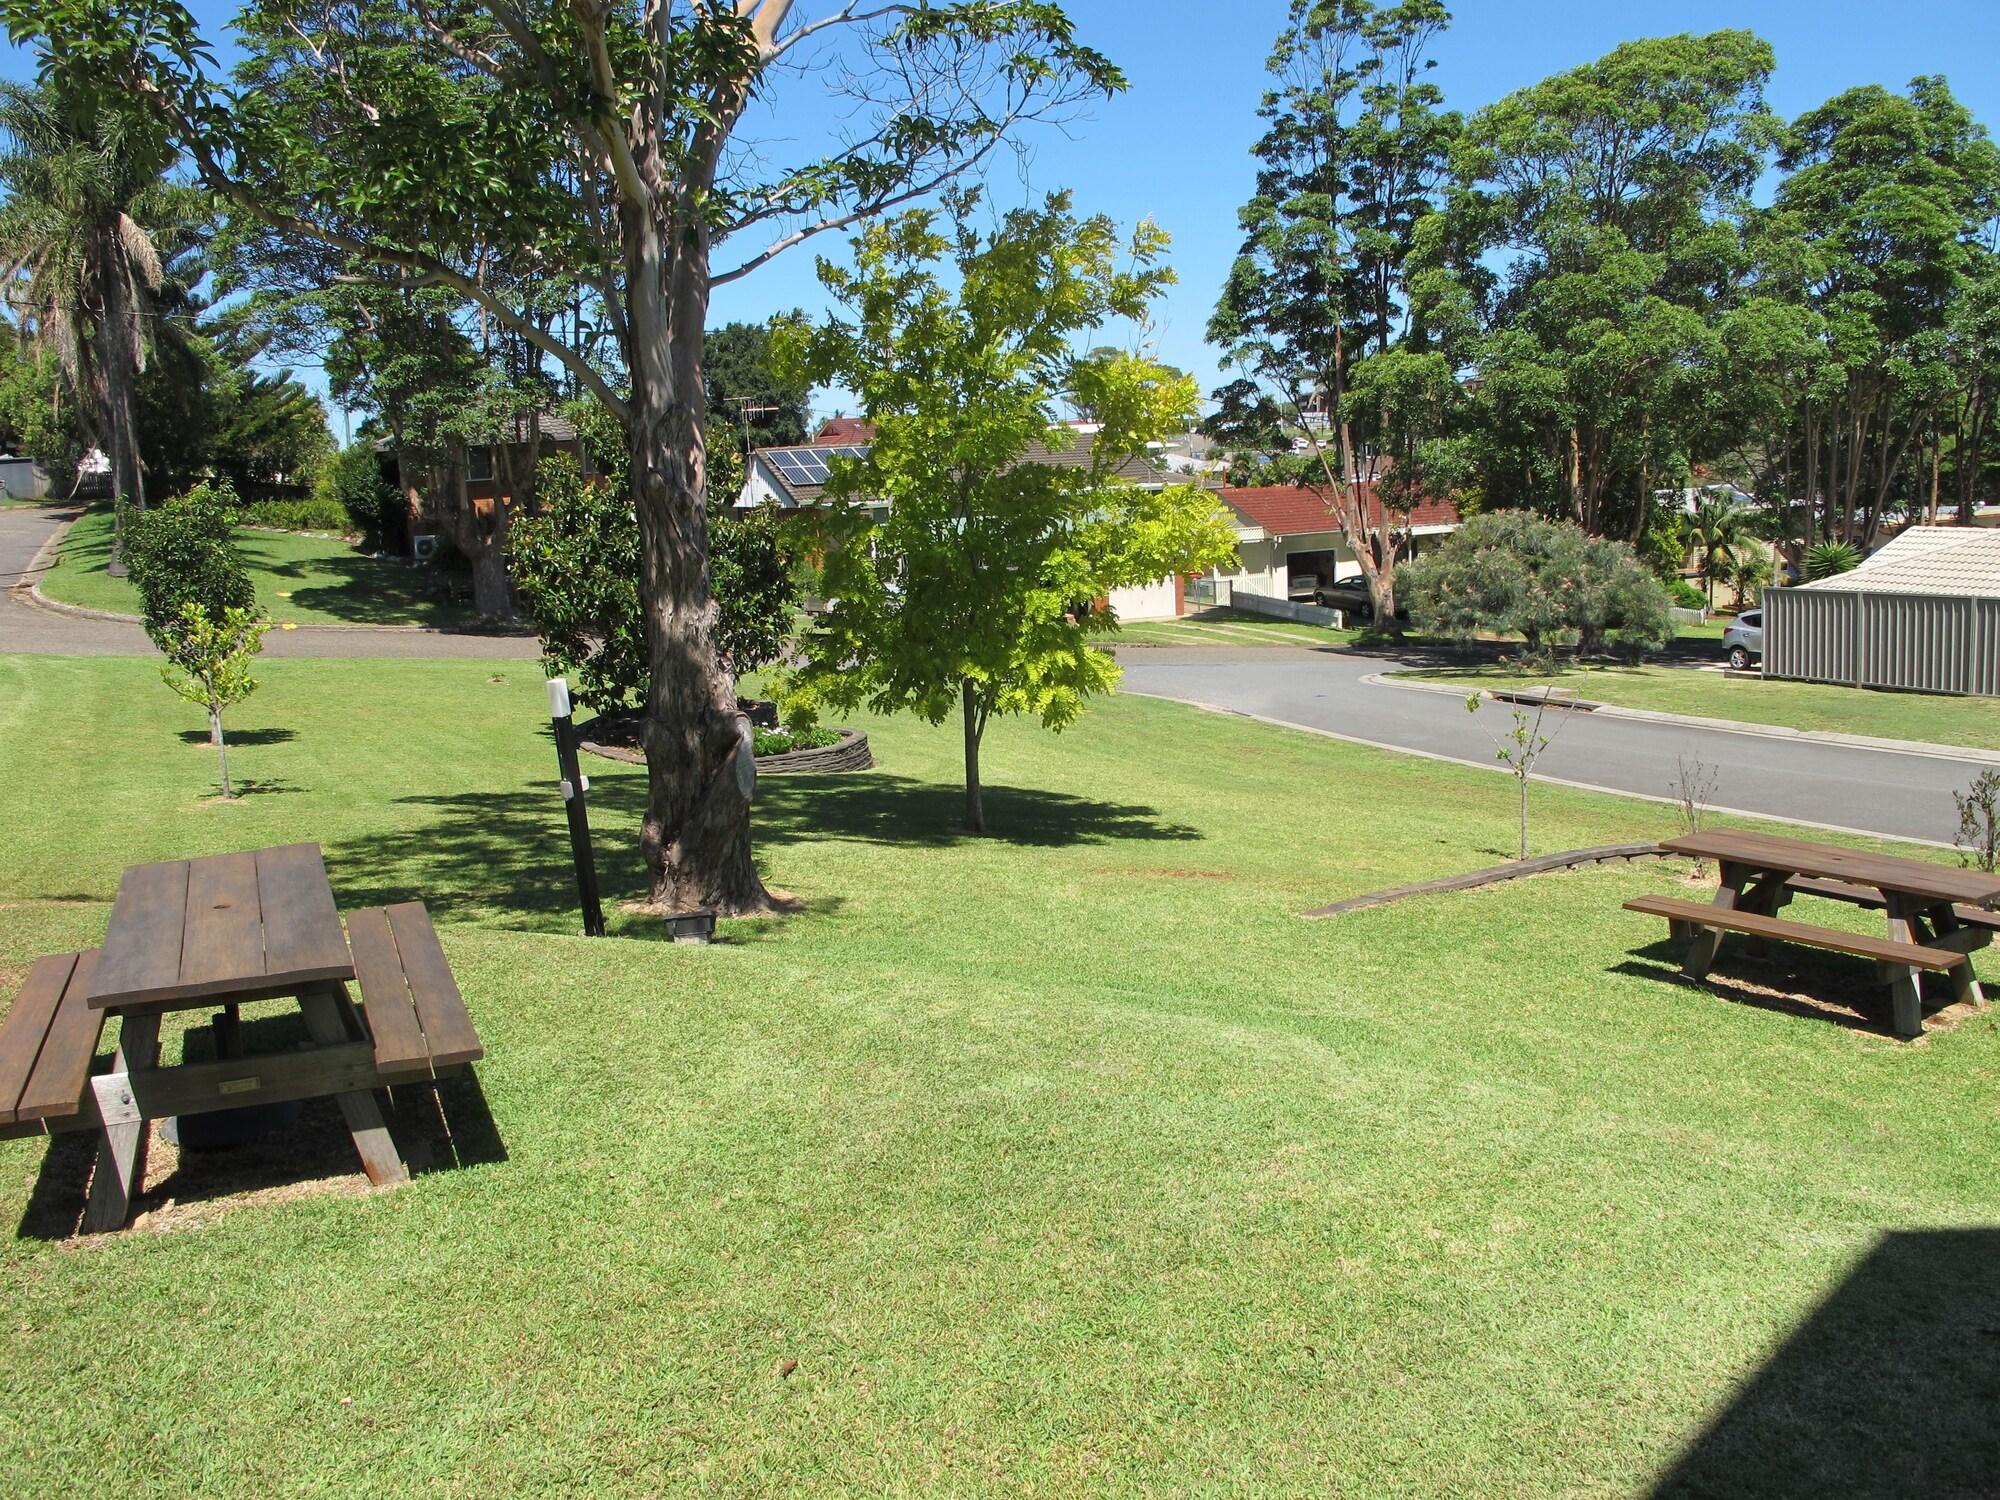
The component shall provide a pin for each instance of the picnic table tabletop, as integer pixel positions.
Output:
(1886, 872)
(188, 932)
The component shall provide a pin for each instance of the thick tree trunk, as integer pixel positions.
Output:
(117, 369)
(696, 834)
(975, 730)
(492, 597)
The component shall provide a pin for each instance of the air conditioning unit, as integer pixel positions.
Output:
(423, 548)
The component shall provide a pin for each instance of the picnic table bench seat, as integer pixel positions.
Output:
(47, 1043)
(1869, 896)
(416, 1016)
(1685, 914)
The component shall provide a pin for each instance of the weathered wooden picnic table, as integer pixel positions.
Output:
(1937, 915)
(230, 929)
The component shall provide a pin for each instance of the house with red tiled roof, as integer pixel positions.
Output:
(1290, 545)
(840, 432)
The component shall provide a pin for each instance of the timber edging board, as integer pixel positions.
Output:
(1541, 864)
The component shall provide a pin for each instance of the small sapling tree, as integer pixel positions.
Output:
(208, 664)
(1519, 748)
(981, 588)
(1978, 838)
(1694, 788)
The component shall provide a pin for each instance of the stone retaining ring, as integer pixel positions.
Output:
(849, 753)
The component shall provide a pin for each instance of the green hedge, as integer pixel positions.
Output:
(319, 513)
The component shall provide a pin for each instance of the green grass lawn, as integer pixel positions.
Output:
(1228, 627)
(1065, 1161)
(301, 579)
(1972, 722)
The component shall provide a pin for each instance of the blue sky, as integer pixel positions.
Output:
(1176, 145)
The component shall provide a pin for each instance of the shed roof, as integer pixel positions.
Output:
(1927, 560)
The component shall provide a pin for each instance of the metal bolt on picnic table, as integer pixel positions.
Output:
(574, 784)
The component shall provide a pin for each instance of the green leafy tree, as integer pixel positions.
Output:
(1349, 165)
(423, 144)
(1590, 250)
(208, 664)
(976, 591)
(85, 197)
(1875, 231)
(182, 553)
(352, 479)
(576, 563)
(761, 408)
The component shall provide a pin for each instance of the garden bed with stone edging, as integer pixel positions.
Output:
(849, 753)
(1541, 864)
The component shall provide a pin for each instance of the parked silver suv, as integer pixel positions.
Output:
(1743, 641)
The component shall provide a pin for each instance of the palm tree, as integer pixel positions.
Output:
(1718, 531)
(85, 200)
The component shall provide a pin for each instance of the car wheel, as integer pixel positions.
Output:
(1739, 658)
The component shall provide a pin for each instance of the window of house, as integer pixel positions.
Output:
(479, 463)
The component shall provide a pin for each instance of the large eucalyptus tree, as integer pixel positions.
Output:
(615, 142)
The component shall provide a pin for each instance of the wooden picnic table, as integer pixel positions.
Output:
(228, 929)
(1937, 915)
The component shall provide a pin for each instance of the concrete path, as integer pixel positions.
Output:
(1806, 782)
(26, 626)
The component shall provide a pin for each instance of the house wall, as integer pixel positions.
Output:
(1151, 601)
(1264, 567)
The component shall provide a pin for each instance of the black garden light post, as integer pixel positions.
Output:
(574, 784)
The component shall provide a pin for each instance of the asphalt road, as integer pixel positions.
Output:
(1838, 786)
(1831, 785)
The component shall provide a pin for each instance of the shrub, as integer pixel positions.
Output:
(576, 568)
(778, 741)
(1685, 595)
(318, 512)
(180, 553)
(1826, 559)
(1510, 572)
(352, 483)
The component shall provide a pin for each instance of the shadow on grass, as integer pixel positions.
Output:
(1786, 980)
(363, 590)
(481, 855)
(237, 737)
(304, 1148)
(1887, 1388)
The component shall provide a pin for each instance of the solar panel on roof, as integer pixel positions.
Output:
(786, 461)
(809, 466)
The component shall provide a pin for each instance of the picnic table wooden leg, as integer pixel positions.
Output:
(324, 1008)
(1701, 952)
(121, 1155)
(1906, 1000)
(1964, 982)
